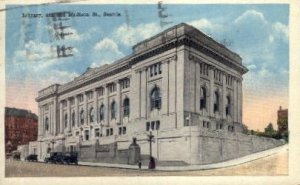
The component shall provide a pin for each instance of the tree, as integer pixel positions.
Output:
(269, 130)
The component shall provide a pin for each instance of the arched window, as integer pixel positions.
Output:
(73, 119)
(91, 115)
(101, 113)
(66, 120)
(46, 123)
(82, 117)
(228, 110)
(203, 98)
(126, 107)
(216, 101)
(113, 110)
(155, 98)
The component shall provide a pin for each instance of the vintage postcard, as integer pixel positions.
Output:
(99, 89)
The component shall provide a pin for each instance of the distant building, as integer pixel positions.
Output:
(20, 128)
(282, 120)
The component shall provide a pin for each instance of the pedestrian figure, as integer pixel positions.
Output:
(140, 164)
(151, 163)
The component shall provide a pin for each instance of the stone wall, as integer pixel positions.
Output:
(107, 153)
(197, 145)
(225, 146)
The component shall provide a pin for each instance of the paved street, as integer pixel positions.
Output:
(272, 165)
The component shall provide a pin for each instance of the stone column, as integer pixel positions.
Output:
(61, 127)
(50, 119)
(140, 94)
(119, 102)
(197, 92)
(43, 120)
(95, 106)
(76, 112)
(146, 93)
(69, 115)
(235, 101)
(211, 91)
(40, 124)
(165, 87)
(54, 116)
(240, 102)
(86, 111)
(143, 95)
(224, 99)
(106, 104)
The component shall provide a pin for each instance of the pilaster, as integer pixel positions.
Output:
(106, 117)
(235, 101)
(224, 94)
(165, 87)
(211, 91)
(61, 127)
(143, 95)
(95, 105)
(40, 132)
(119, 103)
(54, 109)
(69, 115)
(86, 111)
(76, 112)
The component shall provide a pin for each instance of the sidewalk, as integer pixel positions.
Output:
(233, 162)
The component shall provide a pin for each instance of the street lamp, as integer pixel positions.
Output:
(151, 162)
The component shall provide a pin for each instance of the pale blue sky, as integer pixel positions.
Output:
(258, 33)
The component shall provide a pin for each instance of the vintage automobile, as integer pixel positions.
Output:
(62, 158)
(31, 157)
(71, 157)
(16, 155)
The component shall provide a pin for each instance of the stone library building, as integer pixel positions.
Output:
(180, 87)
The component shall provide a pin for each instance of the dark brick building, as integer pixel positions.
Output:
(20, 128)
(282, 120)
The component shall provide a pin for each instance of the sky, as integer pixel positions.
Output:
(258, 33)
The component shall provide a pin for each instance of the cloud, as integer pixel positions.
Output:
(281, 31)
(130, 35)
(38, 61)
(106, 51)
(74, 36)
(205, 25)
(251, 15)
(251, 66)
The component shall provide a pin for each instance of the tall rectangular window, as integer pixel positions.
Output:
(97, 132)
(111, 87)
(125, 83)
(100, 91)
(147, 126)
(87, 135)
(157, 125)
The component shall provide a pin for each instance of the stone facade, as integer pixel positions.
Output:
(180, 85)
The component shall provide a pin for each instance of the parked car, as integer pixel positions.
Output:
(71, 157)
(32, 158)
(54, 157)
(62, 158)
(16, 155)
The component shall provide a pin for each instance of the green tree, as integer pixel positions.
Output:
(269, 130)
